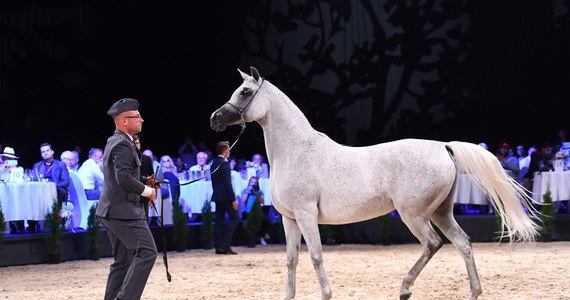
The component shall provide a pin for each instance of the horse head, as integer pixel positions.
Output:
(238, 110)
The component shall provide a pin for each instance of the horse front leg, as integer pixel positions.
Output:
(310, 229)
(293, 241)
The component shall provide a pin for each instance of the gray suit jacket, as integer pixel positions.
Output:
(122, 189)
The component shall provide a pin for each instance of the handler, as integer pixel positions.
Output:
(120, 208)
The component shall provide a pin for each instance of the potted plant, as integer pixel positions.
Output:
(546, 217)
(253, 222)
(384, 222)
(54, 225)
(179, 225)
(92, 233)
(206, 228)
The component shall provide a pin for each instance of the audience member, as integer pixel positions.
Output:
(181, 166)
(75, 165)
(540, 161)
(155, 162)
(224, 197)
(188, 151)
(9, 162)
(253, 195)
(201, 168)
(203, 147)
(167, 165)
(9, 170)
(67, 157)
(524, 163)
(53, 170)
(521, 152)
(509, 162)
(91, 174)
(484, 145)
(147, 171)
(257, 167)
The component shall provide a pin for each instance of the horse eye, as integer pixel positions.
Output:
(245, 92)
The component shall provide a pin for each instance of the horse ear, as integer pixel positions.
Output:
(243, 75)
(255, 73)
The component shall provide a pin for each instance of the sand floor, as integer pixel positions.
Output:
(517, 271)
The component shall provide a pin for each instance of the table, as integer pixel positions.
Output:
(558, 182)
(469, 192)
(194, 194)
(27, 200)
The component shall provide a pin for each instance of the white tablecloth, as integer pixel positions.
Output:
(469, 192)
(558, 182)
(196, 193)
(27, 201)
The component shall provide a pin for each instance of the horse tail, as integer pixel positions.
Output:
(510, 199)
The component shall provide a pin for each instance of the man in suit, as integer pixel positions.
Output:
(121, 209)
(225, 199)
(146, 168)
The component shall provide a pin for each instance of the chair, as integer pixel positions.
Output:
(80, 203)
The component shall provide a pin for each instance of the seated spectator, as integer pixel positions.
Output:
(67, 157)
(181, 166)
(524, 163)
(258, 167)
(9, 169)
(509, 162)
(9, 162)
(91, 174)
(155, 162)
(53, 170)
(167, 165)
(201, 168)
(540, 161)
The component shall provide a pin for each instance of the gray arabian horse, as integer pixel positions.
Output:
(416, 177)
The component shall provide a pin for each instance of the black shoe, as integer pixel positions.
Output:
(221, 251)
(229, 251)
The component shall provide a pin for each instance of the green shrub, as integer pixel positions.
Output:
(93, 232)
(206, 228)
(179, 225)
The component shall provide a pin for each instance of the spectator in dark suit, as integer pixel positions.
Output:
(225, 199)
(121, 210)
(53, 170)
(146, 168)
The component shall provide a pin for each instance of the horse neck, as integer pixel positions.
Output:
(285, 127)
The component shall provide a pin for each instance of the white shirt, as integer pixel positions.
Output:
(91, 175)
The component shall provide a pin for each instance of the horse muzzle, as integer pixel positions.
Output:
(222, 118)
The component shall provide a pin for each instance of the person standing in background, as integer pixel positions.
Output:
(224, 197)
(121, 210)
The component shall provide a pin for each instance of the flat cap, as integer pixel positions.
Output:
(122, 106)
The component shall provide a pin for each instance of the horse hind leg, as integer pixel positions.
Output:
(444, 220)
(431, 243)
(293, 241)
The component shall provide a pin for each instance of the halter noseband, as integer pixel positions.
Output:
(241, 111)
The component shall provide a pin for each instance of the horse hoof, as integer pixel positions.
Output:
(405, 295)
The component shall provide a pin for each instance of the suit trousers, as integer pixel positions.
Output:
(134, 253)
(223, 238)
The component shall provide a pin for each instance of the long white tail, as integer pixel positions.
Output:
(510, 199)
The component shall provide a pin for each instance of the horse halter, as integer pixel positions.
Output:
(241, 111)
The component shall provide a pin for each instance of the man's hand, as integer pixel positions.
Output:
(235, 205)
(152, 198)
(150, 180)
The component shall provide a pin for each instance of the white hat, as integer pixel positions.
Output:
(9, 152)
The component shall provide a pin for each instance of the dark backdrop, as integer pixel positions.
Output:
(491, 71)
